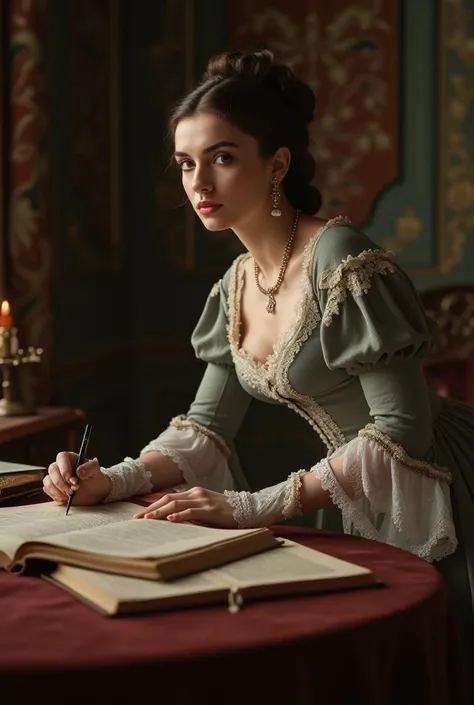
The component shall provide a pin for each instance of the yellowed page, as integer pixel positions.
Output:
(145, 538)
(37, 521)
(290, 563)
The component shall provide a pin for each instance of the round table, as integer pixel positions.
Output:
(383, 646)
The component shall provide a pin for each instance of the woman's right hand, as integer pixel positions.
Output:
(91, 485)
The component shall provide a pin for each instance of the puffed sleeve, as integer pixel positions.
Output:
(201, 441)
(374, 327)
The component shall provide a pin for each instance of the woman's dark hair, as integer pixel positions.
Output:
(266, 100)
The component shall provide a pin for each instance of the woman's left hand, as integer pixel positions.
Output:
(196, 505)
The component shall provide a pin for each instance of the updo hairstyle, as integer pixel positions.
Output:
(266, 100)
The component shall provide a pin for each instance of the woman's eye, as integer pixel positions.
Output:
(185, 165)
(223, 159)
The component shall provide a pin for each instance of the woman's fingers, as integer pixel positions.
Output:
(57, 478)
(199, 514)
(63, 479)
(172, 507)
(162, 502)
(65, 463)
(62, 475)
(195, 505)
(52, 491)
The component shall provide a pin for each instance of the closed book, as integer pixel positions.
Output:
(7, 468)
(19, 484)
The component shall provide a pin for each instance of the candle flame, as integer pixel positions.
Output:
(5, 310)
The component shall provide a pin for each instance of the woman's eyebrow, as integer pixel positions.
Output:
(211, 148)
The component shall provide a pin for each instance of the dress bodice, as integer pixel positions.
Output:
(300, 372)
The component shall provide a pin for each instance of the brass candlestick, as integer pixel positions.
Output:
(15, 364)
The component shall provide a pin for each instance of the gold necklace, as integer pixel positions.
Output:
(271, 291)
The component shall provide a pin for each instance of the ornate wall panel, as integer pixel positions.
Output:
(431, 215)
(455, 135)
(29, 207)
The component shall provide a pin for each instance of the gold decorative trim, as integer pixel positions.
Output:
(408, 228)
(398, 453)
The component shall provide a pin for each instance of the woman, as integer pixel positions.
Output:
(315, 316)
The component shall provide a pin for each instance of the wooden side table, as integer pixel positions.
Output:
(37, 439)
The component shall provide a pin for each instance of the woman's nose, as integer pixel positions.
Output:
(201, 180)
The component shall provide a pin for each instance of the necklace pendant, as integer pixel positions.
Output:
(271, 303)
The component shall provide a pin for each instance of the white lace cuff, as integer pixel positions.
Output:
(268, 506)
(386, 496)
(128, 478)
(200, 454)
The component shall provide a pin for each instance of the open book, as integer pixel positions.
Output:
(294, 569)
(109, 539)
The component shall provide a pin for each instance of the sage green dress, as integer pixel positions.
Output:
(350, 364)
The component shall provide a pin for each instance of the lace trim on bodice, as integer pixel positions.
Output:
(215, 289)
(353, 275)
(270, 378)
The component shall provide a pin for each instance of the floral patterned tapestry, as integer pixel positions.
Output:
(349, 53)
(29, 223)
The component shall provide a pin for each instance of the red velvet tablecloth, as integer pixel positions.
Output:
(385, 646)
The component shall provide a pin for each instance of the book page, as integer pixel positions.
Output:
(291, 563)
(37, 521)
(145, 538)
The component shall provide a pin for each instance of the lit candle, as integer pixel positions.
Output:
(6, 321)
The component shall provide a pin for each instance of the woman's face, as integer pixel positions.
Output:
(223, 174)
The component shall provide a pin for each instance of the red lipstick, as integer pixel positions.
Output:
(208, 207)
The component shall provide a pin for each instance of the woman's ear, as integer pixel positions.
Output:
(281, 163)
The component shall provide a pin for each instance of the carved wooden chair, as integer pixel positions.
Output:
(450, 365)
